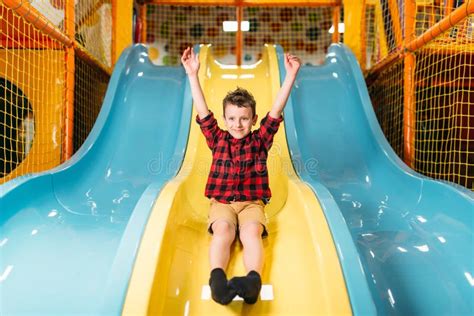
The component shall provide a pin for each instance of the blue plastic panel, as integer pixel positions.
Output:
(68, 237)
(414, 236)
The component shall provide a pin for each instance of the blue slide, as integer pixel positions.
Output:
(414, 236)
(68, 237)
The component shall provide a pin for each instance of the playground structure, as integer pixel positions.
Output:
(56, 58)
(415, 55)
(418, 61)
(370, 226)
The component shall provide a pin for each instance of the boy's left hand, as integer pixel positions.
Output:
(292, 64)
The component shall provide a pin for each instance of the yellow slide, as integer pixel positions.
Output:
(302, 274)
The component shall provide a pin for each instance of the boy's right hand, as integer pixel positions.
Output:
(190, 61)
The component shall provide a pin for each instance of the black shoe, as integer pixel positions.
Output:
(220, 290)
(247, 287)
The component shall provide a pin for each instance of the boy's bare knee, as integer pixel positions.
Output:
(250, 231)
(223, 228)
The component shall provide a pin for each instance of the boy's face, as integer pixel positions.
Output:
(239, 120)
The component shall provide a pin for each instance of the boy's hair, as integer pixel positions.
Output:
(241, 98)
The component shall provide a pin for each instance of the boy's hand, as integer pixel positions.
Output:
(191, 65)
(292, 64)
(190, 61)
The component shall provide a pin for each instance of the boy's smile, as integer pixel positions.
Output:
(239, 120)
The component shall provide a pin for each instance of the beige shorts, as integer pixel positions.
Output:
(238, 214)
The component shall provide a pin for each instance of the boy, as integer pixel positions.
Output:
(238, 180)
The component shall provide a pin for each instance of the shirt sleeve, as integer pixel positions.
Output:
(268, 128)
(210, 129)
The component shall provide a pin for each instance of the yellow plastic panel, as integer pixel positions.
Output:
(300, 258)
(122, 15)
(353, 11)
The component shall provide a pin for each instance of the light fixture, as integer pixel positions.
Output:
(231, 26)
(340, 26)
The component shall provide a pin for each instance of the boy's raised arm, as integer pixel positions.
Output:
(292, 65)
(191, 64)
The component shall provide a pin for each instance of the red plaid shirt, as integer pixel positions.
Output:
(239, 166)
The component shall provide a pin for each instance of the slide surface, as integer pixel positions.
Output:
(172, 267)
(415, 236)
(68, 237)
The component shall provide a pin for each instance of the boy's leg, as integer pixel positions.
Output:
(222, 238)
(250, 235)
(252, 220)
(248, 287)
(219, 253)
(222, 225)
